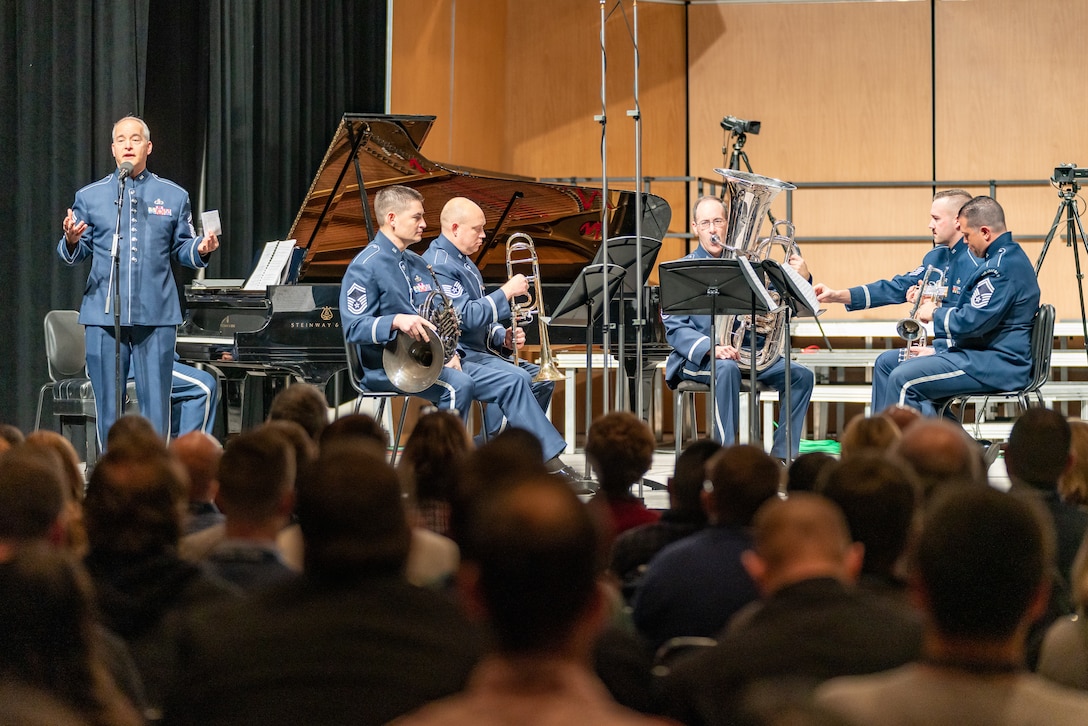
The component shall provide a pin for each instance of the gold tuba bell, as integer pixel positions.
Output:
(414, 365)
(750, 197)
(521, 250)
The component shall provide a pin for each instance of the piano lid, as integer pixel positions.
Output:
(369, 152)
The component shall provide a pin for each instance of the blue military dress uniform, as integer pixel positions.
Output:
(156, 227)
(497, 380)
(483, 334)
(956, 263)
(988, 333)
(689, 337)
(379, 284)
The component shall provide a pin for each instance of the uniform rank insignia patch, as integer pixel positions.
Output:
(980, 298)
(455, 290)
(356, 299)
(918, 270)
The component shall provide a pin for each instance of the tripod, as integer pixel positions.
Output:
(738, 154)
(1074, 232)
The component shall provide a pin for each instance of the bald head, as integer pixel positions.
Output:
(199, 454)
(942, 455)
(800, 538)
(463, 224)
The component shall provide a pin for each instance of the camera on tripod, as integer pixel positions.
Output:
(1068, 173)
(740, 126)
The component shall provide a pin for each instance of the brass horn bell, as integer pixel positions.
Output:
(413, 365)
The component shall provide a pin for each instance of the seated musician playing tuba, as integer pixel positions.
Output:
(380, 293)
(949, 256)
(484, 338)
(689, 336)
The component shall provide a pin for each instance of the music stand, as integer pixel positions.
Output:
(581, 305)
(712, 286)
(798, 300)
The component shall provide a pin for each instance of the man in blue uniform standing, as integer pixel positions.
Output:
(988, 330)
(949, 256)
(484, 339)
(689, 336)
(378, 299)
(156, 227)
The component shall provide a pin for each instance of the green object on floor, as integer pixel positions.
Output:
(826, 446)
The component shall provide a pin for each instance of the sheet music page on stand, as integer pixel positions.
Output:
(271, 268)
(755, 283)
(804, 286)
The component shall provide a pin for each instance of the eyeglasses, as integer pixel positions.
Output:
(708, 223)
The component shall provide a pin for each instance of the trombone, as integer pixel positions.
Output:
(521, 250)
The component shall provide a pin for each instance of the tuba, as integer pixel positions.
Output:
(521, 250)
(910, 328)
(414, 365)
(750, 197)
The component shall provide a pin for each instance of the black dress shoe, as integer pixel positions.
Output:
(574, 480)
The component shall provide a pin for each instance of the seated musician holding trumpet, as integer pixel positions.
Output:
(689, 337)
(951, 262)
(485, 341)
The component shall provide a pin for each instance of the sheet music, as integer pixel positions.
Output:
(755, 283)
(273, 265)
(803, 286)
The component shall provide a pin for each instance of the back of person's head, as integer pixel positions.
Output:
(741, 479)
(880, 497)
(356, 427)
(981, 560)
(32, 493)
(69, 459)
(134, 433)
(199, 453)
(1039, 448)
(47, 634)
(620, 447)
(902, 416)
(135, 503)
(686, 484)
(304, 447)
(256, 474)
(1073, 483)
(537, 554)
(983, 212)
(352, 515)
(943, 456)
(799, 538)
(9, 436)
(435, 455)
(868, 432)
(507, 458)
(806, 469)
(304, 404)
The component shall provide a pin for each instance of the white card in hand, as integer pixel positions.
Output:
(210, 223)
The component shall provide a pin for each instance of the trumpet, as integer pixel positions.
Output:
(521, 250)
(910, 328)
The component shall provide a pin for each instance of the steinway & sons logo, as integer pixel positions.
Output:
(328, 320)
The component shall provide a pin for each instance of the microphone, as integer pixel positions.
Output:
(126, 170)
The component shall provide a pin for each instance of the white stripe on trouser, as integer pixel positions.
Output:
(207, 398)
(926, 379)
(453, 392)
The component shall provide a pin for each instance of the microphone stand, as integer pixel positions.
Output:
(115, 296)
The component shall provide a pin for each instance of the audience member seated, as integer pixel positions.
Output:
(9, 436)
(200, 453)
(868, 432)
(49, 636)
(257, 490)
(813, 624)
(304, 404)
(696, 584)
(620, 449)
(544, 618)
(805, 470)
(357, 427)
(430, 466)
(881, 498)
(1073, 483)
(133, 431)
(348, 642)
(981, 578)
(133, 512)
(75, 536)
(943, 456)
(902, 416)
(634, 549)
(1064, 654)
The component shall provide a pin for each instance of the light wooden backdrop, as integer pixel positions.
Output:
(847, 92)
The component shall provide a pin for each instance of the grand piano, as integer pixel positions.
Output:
(294, 328)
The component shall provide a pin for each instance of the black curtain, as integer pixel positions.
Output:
(242, 97)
